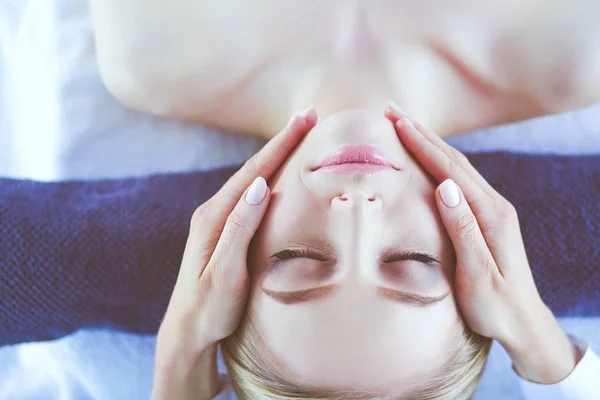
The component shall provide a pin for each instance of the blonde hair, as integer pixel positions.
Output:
(254, 376)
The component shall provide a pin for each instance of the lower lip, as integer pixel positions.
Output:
(352, 168)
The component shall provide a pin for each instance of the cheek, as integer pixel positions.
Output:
(419, 213)
(291, 218)
(440, 239)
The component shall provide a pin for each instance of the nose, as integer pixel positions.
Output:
(356, 199)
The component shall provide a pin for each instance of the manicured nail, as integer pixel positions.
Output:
(407, 122)
(396, 108)
(256, 191)
(449, 193)
(290, 122)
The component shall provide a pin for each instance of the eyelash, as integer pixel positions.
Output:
(289, 254)
(421, 257)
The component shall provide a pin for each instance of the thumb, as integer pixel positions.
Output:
(231, 250)
(469, 243)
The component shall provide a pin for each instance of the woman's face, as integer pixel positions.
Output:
(351, 268)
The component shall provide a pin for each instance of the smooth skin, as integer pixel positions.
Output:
(212, 286)
(495, 289)
(245, 67)
(492, 276)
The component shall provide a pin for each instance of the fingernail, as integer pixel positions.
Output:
(449, 193)
(407, 122)
(396, 108)
(256, 191)
(300, 114)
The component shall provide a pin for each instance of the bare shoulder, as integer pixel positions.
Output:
(230, 64)
(562, 47)
(140, 43)
(172, 58)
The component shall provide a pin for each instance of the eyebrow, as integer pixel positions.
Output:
(301, 296)
(319, 293)
(410, 298)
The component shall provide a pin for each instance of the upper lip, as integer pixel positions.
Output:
(356, 154)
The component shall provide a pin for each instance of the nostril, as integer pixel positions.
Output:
(371, 199)
(343, 198)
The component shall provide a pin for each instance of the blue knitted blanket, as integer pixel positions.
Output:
(105, 254)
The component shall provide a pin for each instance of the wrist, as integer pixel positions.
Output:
(183, 375)
(540, 350)
(528, 329)
(177, 345)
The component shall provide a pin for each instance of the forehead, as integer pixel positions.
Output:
(353, 339)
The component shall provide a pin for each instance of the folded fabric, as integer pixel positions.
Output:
(105, 254)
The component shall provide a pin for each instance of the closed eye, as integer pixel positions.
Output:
(303, 264)
(289, 254)
(423, 258)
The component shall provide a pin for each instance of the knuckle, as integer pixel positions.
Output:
(458, 156)
(420, 127)
(199, 217)
(235, 280)
(465, 225)
(483, 268)
(226, 278)
(487, 266)
(496, 283)
(454, 169)
(213, 279)
(453, 153)
(509, 211)
(236, 221)
(506, 214)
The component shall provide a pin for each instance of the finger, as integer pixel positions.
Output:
(264, 163)
(214, 212)
(228, 260)
(441, 166)
(394, 113)
(459, 158)
(470, 246)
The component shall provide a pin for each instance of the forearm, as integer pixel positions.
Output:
(184, 374)
(542, 352)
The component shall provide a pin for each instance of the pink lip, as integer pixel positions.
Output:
(358, 158)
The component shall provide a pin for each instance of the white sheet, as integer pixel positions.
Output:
(57, 122)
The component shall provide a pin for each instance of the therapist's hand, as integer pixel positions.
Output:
(210, 293)
(494, 286)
